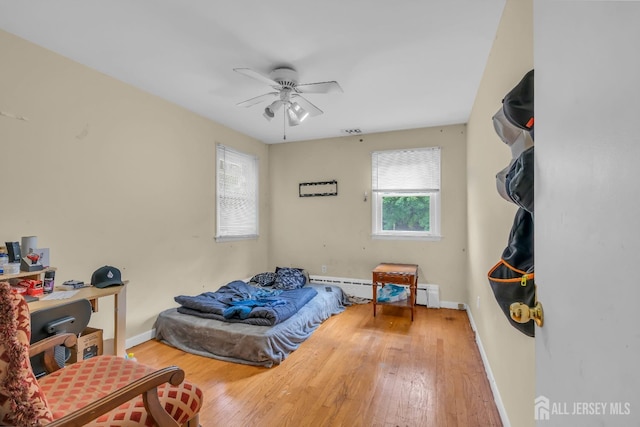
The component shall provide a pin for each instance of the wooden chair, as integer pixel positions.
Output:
(100, 391)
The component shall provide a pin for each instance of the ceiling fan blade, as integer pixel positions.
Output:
(320, 87)
(304, 103)
(257, 99)
(257, 76)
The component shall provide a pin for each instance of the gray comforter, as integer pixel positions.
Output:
(249, 344)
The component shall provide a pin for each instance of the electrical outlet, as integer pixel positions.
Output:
(478, 302)
(323, 268)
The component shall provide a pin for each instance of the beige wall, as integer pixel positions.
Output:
(103, 174)
(510, 353)
(335, 231)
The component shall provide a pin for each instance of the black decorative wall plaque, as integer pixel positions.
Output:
(318, 189)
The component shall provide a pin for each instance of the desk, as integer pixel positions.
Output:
(93, 295)
(398, 274)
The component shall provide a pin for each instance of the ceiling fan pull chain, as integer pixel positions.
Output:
(284, 127)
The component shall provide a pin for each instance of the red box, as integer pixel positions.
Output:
(34, 287)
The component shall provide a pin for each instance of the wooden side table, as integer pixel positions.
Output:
(398, 274)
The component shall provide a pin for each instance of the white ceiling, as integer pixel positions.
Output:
(402, 64)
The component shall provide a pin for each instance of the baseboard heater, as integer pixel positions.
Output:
(428, 294)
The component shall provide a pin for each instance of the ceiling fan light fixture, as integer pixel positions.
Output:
(272, 109)
(297, 114)
(285, 81)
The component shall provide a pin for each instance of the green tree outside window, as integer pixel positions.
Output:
(406, 213)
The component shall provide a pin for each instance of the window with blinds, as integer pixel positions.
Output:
(405, 187)
(236, 195)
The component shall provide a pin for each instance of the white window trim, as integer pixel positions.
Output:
(220, 148)
(406, 235)
(222, 239)
(435, 208)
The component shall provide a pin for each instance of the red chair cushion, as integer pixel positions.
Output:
(78, 384)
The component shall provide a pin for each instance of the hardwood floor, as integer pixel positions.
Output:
(355, 370)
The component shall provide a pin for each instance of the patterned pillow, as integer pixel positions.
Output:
(264, 279)
(22, 402)
(289, 278)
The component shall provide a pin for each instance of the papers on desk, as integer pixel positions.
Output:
(58, 295)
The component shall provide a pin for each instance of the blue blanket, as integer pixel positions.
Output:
(239, 302)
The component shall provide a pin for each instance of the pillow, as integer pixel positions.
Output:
(290, 278)
(22, 402)
(264, 279)
(305, 273)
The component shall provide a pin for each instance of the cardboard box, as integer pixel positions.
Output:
(89, 345)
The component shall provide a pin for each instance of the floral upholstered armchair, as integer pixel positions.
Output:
(100, 391)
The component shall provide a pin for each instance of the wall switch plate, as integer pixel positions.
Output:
(323, 268)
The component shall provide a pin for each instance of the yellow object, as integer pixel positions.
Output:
(521, 313)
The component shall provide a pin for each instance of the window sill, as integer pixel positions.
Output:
(222, 239)
(401, 237)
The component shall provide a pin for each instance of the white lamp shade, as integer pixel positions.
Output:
(272, 109)
(296, 114)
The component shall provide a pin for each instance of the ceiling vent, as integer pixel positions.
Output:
(351, 131)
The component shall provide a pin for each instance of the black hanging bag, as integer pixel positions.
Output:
(512, 279)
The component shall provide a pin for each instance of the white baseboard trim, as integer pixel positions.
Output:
(452, 305)
(427, 293)
(487, 367)
(139, 339)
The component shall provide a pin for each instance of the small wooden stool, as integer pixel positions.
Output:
(398, 274)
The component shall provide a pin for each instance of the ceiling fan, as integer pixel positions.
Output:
(287, 94)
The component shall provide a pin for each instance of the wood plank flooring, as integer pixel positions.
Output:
(355, 370)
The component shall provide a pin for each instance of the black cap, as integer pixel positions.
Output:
(106, 276)
(518, 103)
